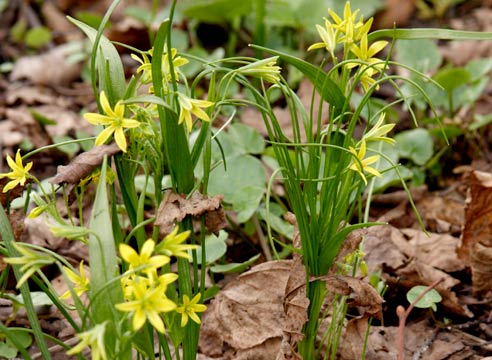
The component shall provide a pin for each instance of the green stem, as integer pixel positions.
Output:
(316, 292)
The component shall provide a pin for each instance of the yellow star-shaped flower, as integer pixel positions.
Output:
(81, 282)
(172, 244)
(148, 303)
(191, 106)
(145, 261)
(361, 164)
(190, 308)
(19, 173)
(115, 121)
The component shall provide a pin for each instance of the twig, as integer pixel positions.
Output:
(403, 315)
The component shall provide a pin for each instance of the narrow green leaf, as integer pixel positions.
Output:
(442, 34)
(108, 62)
(103, 259)
(328, 89)
(174, 140)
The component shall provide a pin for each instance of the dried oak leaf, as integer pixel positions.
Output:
(174, 208)
(296, 302)
(360, 294)
(246, 319)
(82, 165)
(476, 242)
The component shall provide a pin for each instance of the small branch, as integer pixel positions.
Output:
(403, 315)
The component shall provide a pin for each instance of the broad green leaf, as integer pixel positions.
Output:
(246, 201)
(425, 59)
(242, 171)
(108, 62)
(38, 37)
(416, 145)
(451, 78)
(479, 68)
(102, 257)
(22, 337)
(69, 149)
(215, 247)
(7, 351)
(215, 10)
(277, 221)
(247, 138)
(429, 300)
(234, 267)
(327, 88)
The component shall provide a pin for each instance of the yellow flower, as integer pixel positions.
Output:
(31, 262)
(171, 245)
(149, 302)
(378, 132)
(145, 259)
(19, 173)
(146, 66)
(349, 25)
(81, 282)
(366, 54)
(361, 163)
(329, 38)
(190, 308)
(115, 120)
(266, 69)
(191, 106)
(93, 338)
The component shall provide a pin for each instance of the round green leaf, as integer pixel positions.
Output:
(429, 300)
(242, 171)
(247, 138)
(246, 201)
(215, 247)
(416, 145)
(38, 37)
(7, 351)
(451, 78)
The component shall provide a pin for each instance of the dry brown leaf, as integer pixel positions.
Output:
(50, 68)
(248, 314)
(437, 250)
(174, 208)
(296, 302)
(476, 244)
(420, 338)
(82, 165)
(360, 293)
(412, 263)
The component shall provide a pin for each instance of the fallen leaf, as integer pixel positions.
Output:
(50, 68)
(83, 165)
(476, 242)
(174, 208)
(248, 314)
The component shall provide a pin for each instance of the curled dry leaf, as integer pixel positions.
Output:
(174, 208)
(360, 295)
(246, 319)
(476, 242)
(82, 165)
